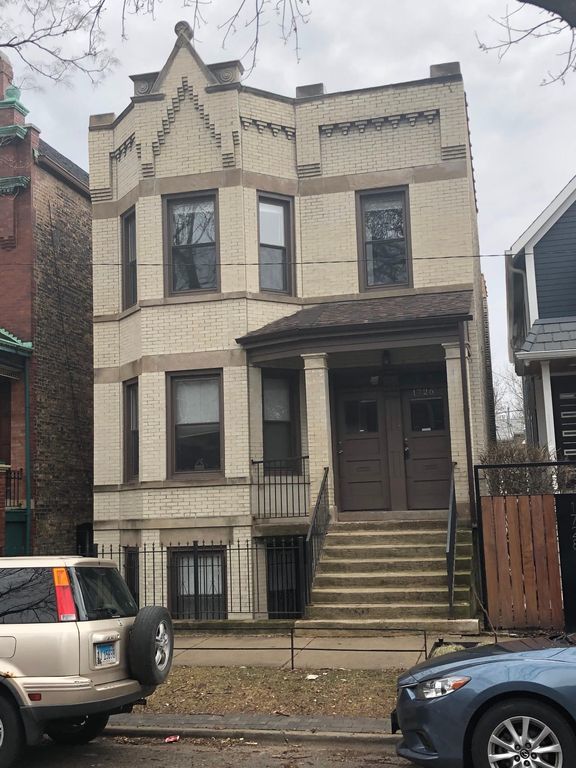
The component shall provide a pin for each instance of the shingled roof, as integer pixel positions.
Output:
(553, 335)
(77, 173)
(390, 311)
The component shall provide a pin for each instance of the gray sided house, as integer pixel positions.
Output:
(541, 290)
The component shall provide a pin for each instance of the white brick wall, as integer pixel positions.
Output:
(193, 131)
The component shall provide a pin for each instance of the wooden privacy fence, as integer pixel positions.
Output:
(522, 562)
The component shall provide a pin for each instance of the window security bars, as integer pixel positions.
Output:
(14, 488)
(205, 581)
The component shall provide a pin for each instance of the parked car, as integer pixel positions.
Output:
(74, 649)
(494, 706)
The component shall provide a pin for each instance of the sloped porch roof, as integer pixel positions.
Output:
(403, 312)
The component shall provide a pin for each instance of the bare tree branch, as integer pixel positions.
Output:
(56, 38)
(565, 9)
(558, 20)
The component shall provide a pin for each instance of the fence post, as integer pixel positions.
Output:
(292, 648)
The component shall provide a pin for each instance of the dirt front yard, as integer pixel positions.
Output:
(225, 690)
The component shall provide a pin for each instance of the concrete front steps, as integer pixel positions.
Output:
(391, 575)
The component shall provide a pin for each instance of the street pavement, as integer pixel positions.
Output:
(154, 753)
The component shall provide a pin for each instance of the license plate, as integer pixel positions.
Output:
(105, 654)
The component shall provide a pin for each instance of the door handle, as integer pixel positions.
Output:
(340, 452)
(406, 452)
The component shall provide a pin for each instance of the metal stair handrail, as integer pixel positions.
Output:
(317, 534)
(451, 541)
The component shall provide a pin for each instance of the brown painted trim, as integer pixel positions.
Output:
(353, 343)
(287, 204)
(208, 194)
(467, 426)
(201, 478)
(235, 177)
(362, 261)
(293, 378)
(128, 476)
(169, 363)
(124, 247)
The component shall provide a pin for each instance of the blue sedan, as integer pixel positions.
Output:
(506, 705)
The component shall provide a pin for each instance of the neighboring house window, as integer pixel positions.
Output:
(192, 244)
(383, 239)
(196, 423)
(129, 264)
(274, 226)
(280, 417)
(131, 433)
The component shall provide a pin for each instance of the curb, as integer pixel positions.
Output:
(385, 741)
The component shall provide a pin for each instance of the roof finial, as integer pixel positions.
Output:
(183, 28)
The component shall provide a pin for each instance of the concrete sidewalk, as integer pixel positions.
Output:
(253, 727)
(378, 652)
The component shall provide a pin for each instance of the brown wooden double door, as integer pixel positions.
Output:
(393, 449)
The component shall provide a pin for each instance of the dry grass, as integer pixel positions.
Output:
(227, 690)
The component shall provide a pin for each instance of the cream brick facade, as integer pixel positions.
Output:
(195, 128)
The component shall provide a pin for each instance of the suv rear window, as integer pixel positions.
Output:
(104, 593)
(27, 596)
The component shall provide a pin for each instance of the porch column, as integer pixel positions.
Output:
(550, 439)
(319, 422)
(458, 440)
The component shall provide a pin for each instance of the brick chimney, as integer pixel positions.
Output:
(6, 74)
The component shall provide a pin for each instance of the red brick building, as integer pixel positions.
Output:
(45, 337)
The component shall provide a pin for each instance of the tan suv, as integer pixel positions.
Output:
(74, 649)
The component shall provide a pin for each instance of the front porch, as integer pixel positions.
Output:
(384, 407)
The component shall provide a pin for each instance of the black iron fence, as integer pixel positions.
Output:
(254, 579)
(281, 487)
(525, 478)
(14, 488)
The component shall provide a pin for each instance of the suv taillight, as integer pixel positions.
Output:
(64, 598)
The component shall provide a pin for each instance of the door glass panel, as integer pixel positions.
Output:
(427, 415)
(361, 416)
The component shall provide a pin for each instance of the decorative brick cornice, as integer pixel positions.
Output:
(377, 123)
(124, 148)
(10, 185)
(455, 152)
(263, 125)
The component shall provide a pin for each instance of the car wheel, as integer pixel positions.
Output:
(151, 646)
(79, 730)
(523, 733)
(11, 733)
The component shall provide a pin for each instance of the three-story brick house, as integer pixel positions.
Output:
(287, 295)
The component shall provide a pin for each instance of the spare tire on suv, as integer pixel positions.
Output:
(151, 644)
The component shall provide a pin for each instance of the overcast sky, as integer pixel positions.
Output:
(523, 135)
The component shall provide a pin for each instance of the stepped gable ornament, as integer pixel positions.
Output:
(183, 28)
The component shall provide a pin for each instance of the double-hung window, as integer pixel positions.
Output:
(192, 243)
(275, 249)
(384, 255)
(196, 423)
(129, 264)
(131, 432)
(280, 417)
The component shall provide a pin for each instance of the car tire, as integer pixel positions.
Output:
(11, 733)
(492, 734)
(77, 731)
(151, 646)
